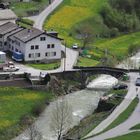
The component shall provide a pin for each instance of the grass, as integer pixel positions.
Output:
(135, 127)
(86, 125)
(14, 103)
(24, 25)
(71, 14)
(124, 115)
(119, 45)
(48, 66)
(93, 120)
(87, 62)
(117, 48)
(130, 136)
(21, 8)
(88, 14)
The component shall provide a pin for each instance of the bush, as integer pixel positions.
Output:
(26, 120)
(26, 21)
(133, 48)
(118, 18)
(114, 32)
(38, 109)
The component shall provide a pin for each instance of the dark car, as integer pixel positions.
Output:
(120, 86)
(137, 83)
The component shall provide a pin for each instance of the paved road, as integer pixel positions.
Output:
(39, 20)
(69, 62)
(124, 127)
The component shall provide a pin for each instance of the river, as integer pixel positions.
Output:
(82, 102)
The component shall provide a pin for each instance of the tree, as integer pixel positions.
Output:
(61, 118)
(33, 133)
(85, 33)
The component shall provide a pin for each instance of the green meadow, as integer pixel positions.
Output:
(73, 13)
(14, 104)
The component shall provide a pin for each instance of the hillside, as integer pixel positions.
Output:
(73, 16)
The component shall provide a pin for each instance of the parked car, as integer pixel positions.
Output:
(120, 86)
(75, 46)
(137, 83)
(10, 69)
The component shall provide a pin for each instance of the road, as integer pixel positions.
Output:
(124, 127)
(39, 20)
(68, 63)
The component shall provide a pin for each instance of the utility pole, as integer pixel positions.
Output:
(65, 58)
(50, 1)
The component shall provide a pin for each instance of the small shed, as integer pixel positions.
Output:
(2, 57)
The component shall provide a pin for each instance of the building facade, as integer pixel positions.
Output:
(34, 45)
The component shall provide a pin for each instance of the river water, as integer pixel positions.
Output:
(82, 102)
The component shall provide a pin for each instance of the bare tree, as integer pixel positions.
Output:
(61, 118)
(33, 133)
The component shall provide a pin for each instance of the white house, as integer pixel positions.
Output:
(34, 45)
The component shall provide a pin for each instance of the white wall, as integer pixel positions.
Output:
(43, 49)
(21, 47)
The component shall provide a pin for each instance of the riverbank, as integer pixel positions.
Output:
(104, 109)
(82, 102)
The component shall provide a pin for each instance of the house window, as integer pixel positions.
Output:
(18, 43)
(37, 54)
(47, 54)
(32, 47)
(16, 50)
(42, 38)
(53, 53)
(48, 46)
(0, 43)
(36, 47)
(31, 55)
(12, 48)
(5, 43)
(52, 46)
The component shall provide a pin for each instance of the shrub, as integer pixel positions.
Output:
(26, 120)
(114, 32)
(26, 21)
(133, 48)
(38, 109)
